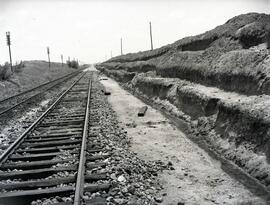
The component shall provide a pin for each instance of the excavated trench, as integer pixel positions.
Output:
(218, 83)
(243, 70)
(231, 125)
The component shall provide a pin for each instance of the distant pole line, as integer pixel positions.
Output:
(49, 60)
(9, 43)
(121, 46)
(151, 39)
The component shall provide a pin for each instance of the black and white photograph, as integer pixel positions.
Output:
(135, 102)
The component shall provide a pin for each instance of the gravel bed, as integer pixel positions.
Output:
(134, 181)
(15, 123)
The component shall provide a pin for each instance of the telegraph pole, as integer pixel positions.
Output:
(8, 44)
(151, 35)
(121, 47)
(62, 60)
(48, 52)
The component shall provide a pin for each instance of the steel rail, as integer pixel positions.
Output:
(27, 99)
(37, 87)
(20, 139)
(81, 170)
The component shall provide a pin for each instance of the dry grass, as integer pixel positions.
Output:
(29, 74)
(73, 64)
(5, 70)
(18, 67)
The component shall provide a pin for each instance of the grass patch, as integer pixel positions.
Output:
(18, 67)
(73, 64)
(6, 72)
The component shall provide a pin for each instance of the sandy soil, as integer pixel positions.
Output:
(196, 178)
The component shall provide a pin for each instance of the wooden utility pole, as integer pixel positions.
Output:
(62, 60)
(49, 60)
(121, 47)
(8, 44)
(151, 35)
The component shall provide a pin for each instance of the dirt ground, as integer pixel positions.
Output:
(196, 178)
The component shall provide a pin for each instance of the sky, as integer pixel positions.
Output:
(90, 30)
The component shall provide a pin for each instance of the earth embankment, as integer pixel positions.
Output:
(32, 74)
(218, 82)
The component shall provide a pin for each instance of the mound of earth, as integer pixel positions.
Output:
(218, 82)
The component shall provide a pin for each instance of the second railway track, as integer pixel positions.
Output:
(50, 158)
(14, 101)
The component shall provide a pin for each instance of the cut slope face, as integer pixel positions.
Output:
(231, 57)
(218, 82)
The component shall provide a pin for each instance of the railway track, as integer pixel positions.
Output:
(10, 103)
(52, 157)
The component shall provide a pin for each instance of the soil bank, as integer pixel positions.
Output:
(196, 178)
